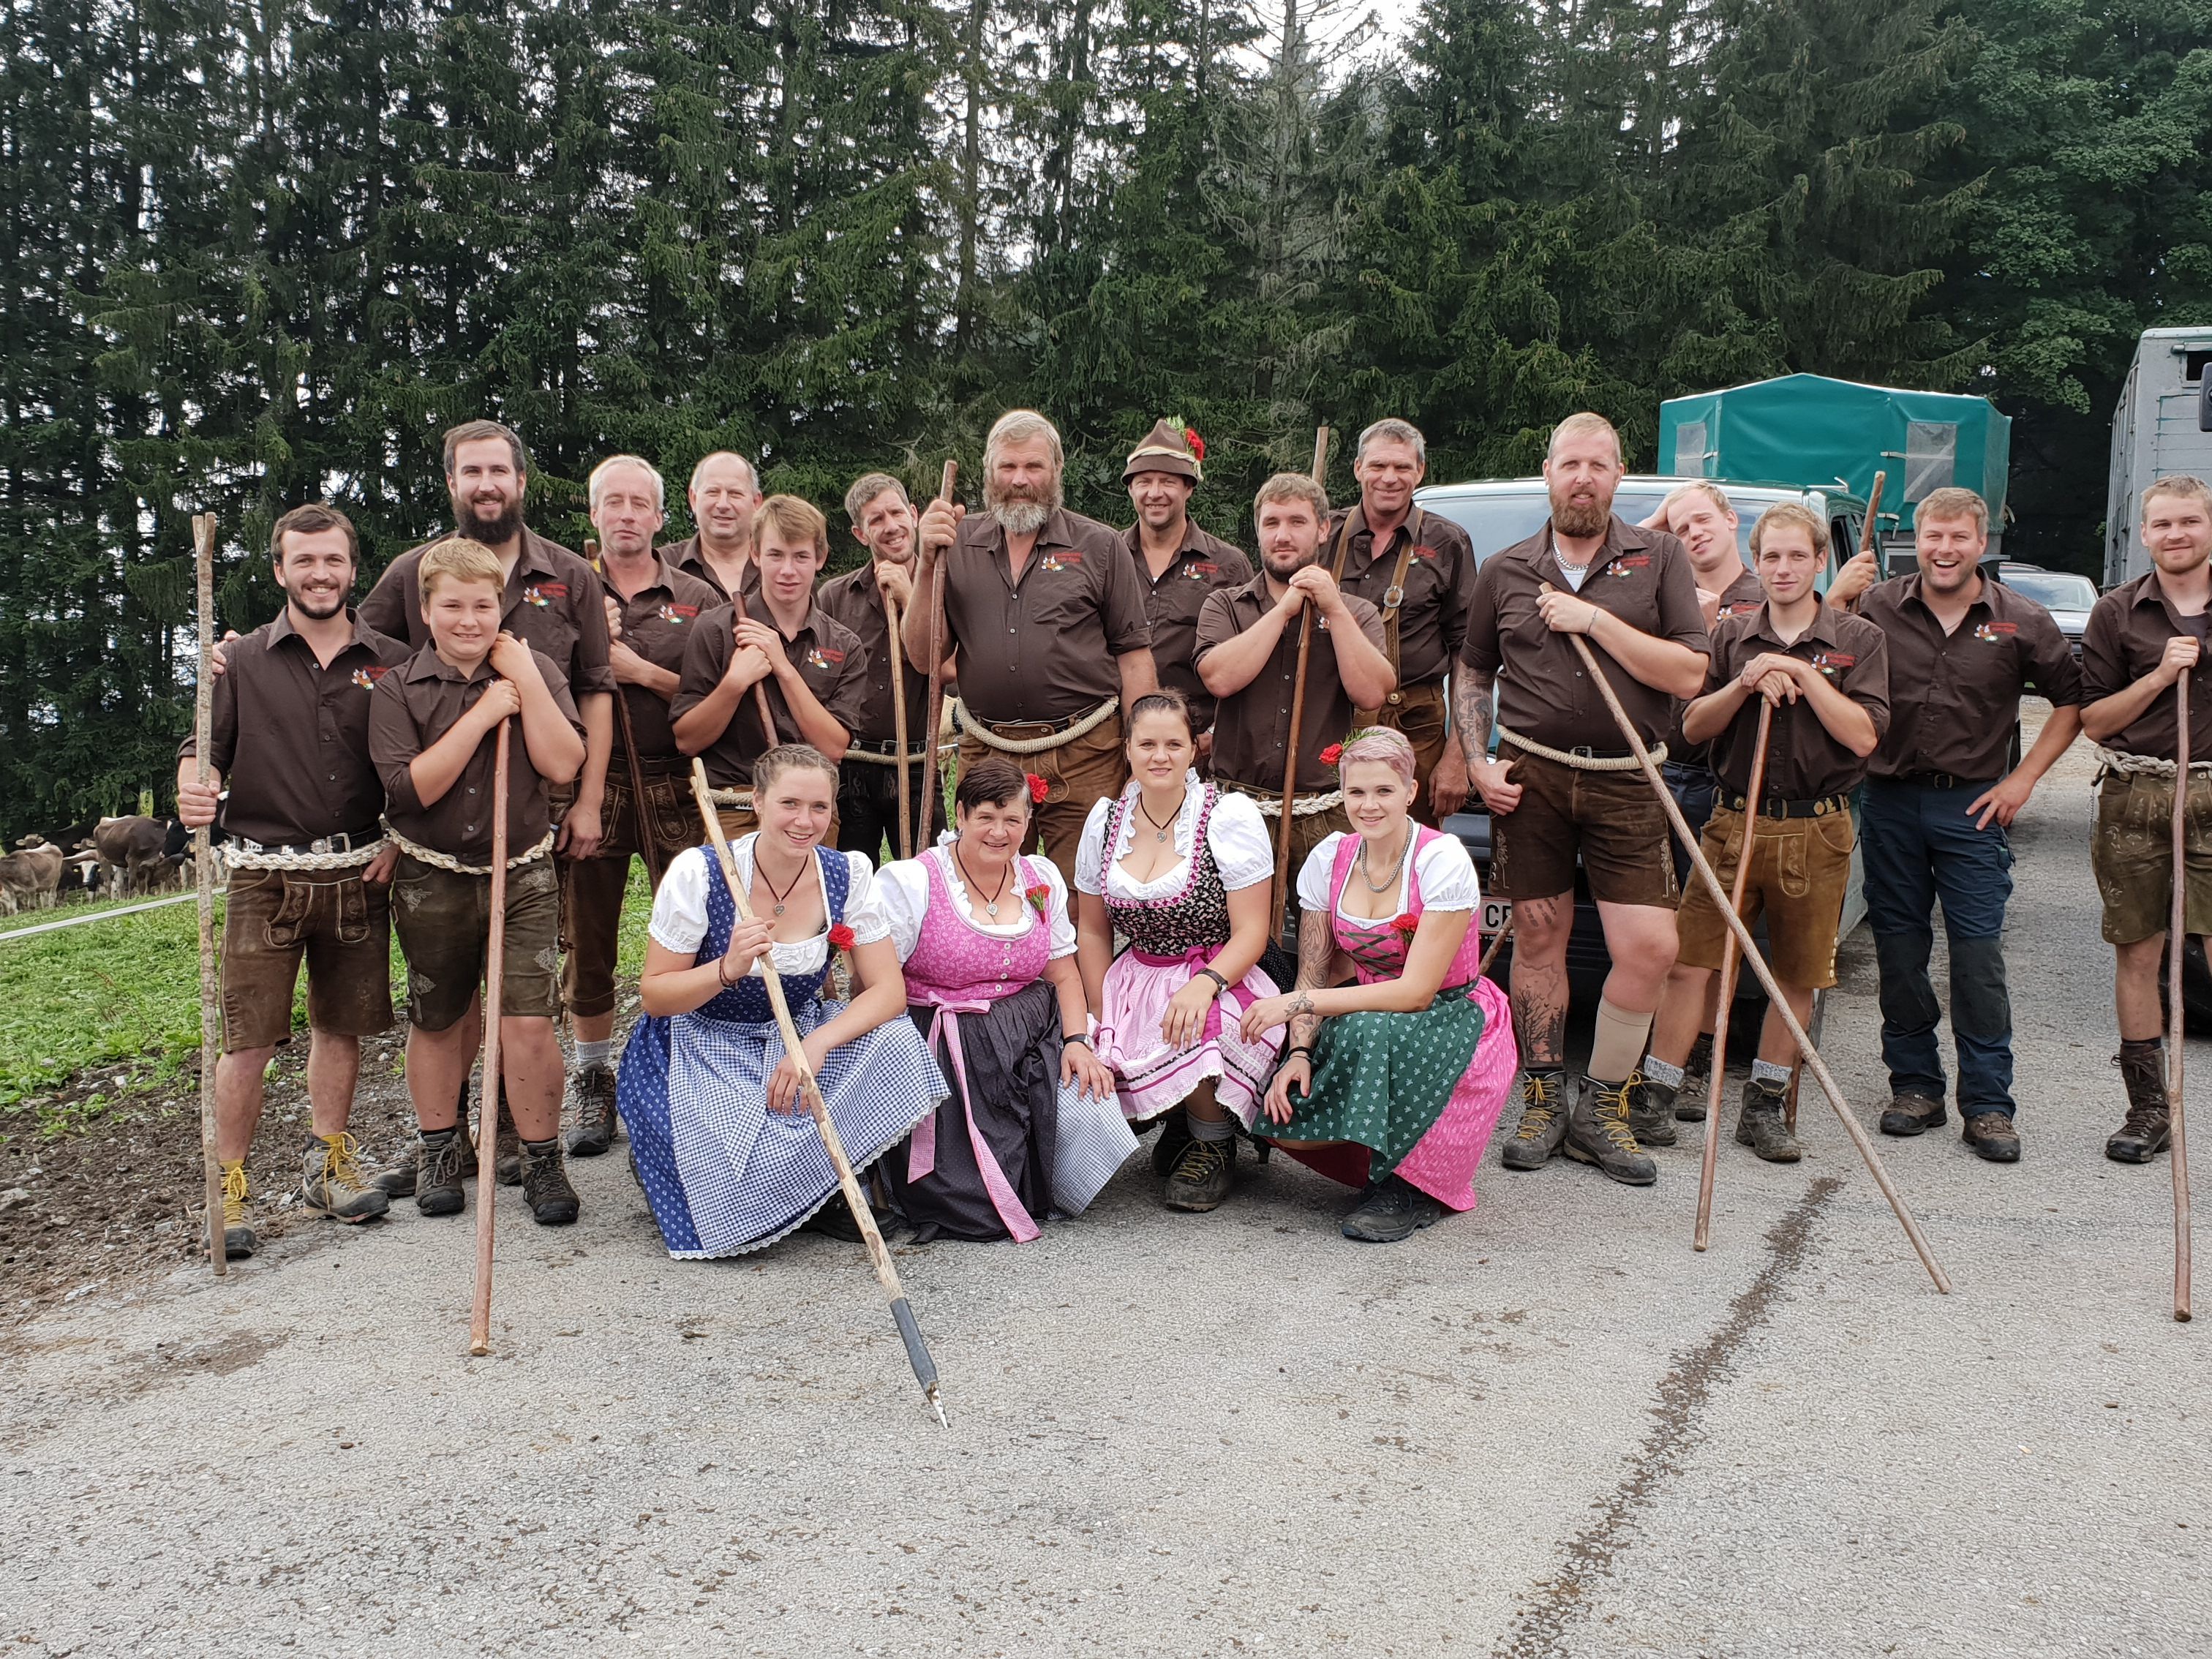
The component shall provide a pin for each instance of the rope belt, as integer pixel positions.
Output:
(740, 798)
(1581, 762)
(915, 756)
(2112, 759)
(351, 858)
(1302, 806)
(439, 860)
(990, 739)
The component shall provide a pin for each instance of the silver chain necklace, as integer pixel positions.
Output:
(1366, 873)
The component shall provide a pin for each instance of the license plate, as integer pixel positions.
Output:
(1496, 913)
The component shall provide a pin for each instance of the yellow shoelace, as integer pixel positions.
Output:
(1539, 1107)
(233, 1195)
(1612, 1114)
(341, 1165)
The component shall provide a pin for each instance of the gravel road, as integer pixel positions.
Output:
(1546, 1428)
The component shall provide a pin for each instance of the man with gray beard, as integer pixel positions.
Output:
(1048, 615)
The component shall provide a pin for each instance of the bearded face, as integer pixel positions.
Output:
(487, 509)
(1580, 507)
(1022, 488)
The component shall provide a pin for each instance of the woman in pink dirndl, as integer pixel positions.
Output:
(1181, 869)
(1392, 1084)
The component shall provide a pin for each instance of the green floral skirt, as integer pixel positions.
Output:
(1381, 1081)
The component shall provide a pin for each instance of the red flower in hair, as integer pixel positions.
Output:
(1408, 924)
(1197, 444)
(1334, 753)
(1037, 787)
(841, 937)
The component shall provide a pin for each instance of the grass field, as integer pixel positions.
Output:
(129, 988)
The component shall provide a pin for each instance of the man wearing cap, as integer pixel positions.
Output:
(1417, 570)
(1181, 563)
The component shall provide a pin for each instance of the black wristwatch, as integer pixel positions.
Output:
(1083, 1038)
(1217, 980)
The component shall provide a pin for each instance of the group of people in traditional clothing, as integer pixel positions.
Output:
(1091, 947)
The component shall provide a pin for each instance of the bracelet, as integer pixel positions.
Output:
(1083, 1038)
(721, 972)
(1305, 1048)
(1217, 980)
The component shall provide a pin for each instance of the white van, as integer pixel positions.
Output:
(2162, 426)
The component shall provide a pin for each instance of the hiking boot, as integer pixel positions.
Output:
(506, 1147)
(591, 1105)
(1992, 1136)
(1913, 1115)
(545, 1178)
(398, 1180)
(1175, 1135)
(1760, 1124)
(238, 1239)
(1696, 1079)
(332, 1184)
(439, 1166)
(1598, 1132)
(1651, 1112)
(1202, 1177)
(1543, 1121)
(835, 1219)
(2149, 1125)
(1390, 1210)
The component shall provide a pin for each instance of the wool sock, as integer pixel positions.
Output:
(539, 1151)
(589, 1054)
(1767, 1072)
(1659, 1071)
(2142, 1047)
(1618, 1044)
(1211, 1129)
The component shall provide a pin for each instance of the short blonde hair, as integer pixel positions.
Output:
(1951, 501)
(2186, 485)
(1705, 487)
(463, 559)
(793, 521)
(1292, 487)
(1584, 425)
(1021, 426)
(1792, 513)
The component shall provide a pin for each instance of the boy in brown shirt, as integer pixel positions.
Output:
(432, 735)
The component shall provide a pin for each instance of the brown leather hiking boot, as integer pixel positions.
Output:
(2149, 1125)
(1203, 1175)
(1543, 1121)
(1992, 1136)
(1760, 1124)
(591, 1106)
(1651, 1112)
(239, 1240)
(331, 1182)
(545, 1187)
(1913, 1115)
(1598, 1132)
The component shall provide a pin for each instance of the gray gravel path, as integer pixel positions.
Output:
(1548, 1428)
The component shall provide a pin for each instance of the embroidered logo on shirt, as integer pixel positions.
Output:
(1993, 631)
(1063, 558)
(1626, 563)
(366, 679)
(1831, 663)
(677, 613)
(824, 657)
(1425, 552)
(542, 594)
(1197, 571)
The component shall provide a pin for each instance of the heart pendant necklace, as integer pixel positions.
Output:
(1159, 830)
(785, 895)
(991, 904)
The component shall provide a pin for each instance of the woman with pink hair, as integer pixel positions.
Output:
(1393, 1082)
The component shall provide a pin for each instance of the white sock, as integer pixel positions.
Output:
(595, 1054)
(1659, 1071)
(1211, 1129)
(1765, 1070)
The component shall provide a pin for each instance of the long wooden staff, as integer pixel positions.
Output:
(934, 715)
(204, 870)
(1281, 892)
(1870, 531)
(2176, 939)
(1719, 1067)
(1496, 944)
(917, 1352)
(760, 685)
(1751, 955)
(655, 863)
(494, 1006)
(892, 622)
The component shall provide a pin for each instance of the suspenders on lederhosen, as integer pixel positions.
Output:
(1393, 597)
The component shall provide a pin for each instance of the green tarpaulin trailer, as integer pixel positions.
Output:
(1811, 431)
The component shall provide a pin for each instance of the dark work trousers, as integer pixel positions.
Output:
(867, 806)
(1921, 846)
(1695, 789)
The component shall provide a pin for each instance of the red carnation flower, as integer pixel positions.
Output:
(1037, 787)
(1197, 444)
(1039, 896)
(1408, 923)
(1334, 753)
(841, 937)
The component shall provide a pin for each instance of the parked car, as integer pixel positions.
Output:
(2069, 598)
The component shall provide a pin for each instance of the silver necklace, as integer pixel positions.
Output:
(1366, 872)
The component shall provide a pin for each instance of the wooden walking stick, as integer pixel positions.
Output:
(655, 866)
(204, 870)
(1496, 944)
(2176, 940)
(898, 725)
(494, 1006)
(933, 714)
(1281, 892)
(760, 686)
(1758, 963)
(1722, 1009)
(917, 1352)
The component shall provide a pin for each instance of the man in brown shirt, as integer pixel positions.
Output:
(433, 730)
(1048, 615)
(1180, 565)
(1248, 654)
(723, 496)
(2144, 638)
(1934, 818)
(311, 872)
(816, 670)
(550, 603)
(884, 521)
(1824, 675)
(1632, 593)
(1418, 572)
(652, 611)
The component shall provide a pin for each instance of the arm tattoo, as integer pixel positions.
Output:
(1472, 712)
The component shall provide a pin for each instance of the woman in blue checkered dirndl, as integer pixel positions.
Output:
(721, 1137)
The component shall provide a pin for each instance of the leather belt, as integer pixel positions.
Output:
(322, 844)
(1774, 807)
(889, 747)
(1935, 780)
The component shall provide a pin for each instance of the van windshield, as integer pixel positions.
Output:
(1496, 520)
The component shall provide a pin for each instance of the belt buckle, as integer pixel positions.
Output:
(322, 844)
(1583, 751)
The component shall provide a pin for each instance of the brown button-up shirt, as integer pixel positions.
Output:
(417, 703)
(1041, 648)
(1642, 576)
(1252, 727)
(1439, 586)
(684, 556)
(854, 600)
(1955, 697)
(290, 737)
(658, 622)
(2125, 639)
(1804, 761)
(829, 658)
(1203, 565)
(1740, 598)
(551, 604)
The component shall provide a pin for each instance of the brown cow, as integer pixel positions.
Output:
(135, 852)
(29, 879)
